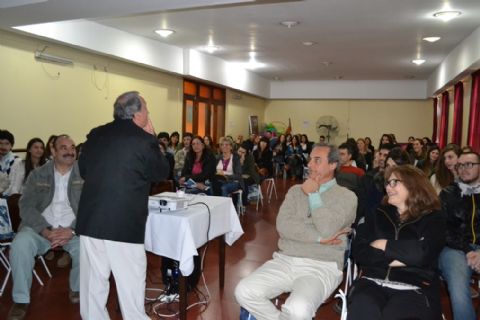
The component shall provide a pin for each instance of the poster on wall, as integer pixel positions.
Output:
(253, 124)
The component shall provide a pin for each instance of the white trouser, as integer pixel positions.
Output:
(309, 282)
(127, 262)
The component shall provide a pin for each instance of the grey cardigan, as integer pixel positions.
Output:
(38, 194)
(300, 232)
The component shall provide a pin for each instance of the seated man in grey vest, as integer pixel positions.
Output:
(48, 208)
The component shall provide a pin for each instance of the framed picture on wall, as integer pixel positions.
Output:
(253, 124)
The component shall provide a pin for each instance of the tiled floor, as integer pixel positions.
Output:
(250, 251)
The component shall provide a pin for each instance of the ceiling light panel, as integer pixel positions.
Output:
(446, 16)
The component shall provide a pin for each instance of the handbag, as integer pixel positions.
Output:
(6, 230)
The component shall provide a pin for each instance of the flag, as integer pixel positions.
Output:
(289, 128)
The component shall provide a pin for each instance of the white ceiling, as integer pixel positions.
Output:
(356, 39)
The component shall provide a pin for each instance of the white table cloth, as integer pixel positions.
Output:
(178, 234)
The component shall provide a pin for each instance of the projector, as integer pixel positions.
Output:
(167, 203)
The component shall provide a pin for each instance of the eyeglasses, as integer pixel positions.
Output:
(466, 165)
(392, 183)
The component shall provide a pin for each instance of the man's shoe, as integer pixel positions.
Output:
(17, 311)
(474, 293)
(74, 296)
(49, 256)
(64, 260)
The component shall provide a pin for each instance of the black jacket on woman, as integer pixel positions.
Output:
(264, 159)
(208, 163)
(417, 243)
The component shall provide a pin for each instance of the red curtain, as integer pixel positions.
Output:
(442, 139)
(435, 120)
(457, 114)
(474, 120)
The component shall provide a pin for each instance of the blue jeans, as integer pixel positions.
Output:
(25, 246)
(245, 315)
(457, 274)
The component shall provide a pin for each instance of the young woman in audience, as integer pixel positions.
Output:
(20, 170)
(428, 165)
(445, 172)
(294, 159)
(305, 145)
(288, 139)
(386, 139)
(199, 166)
(397, 249)
(209, 144)
(170, 159)
(173, 145)
(249, 170)
(263, 158)
(49, 146)
(418, 152)
(228, 177)
(366, 153)
(369, 144)
(279, 153)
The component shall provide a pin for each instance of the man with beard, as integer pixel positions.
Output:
(461, 255)
(48, 208)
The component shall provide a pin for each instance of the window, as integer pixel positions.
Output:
(203, 109)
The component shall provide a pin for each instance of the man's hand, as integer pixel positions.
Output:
(473, 260)
(379, 244)
(334, 240)
(58, 237)
(181, 181)
(149, 127)
(310, 185)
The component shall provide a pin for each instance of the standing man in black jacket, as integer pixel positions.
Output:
(118, 163)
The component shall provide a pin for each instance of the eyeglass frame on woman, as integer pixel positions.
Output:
(392, 183)
(466, 165)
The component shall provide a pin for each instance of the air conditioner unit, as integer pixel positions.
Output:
(42, 56)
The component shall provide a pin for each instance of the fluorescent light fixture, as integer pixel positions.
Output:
(418, 61)
(42, 56)
(431, 39)
(289, 23)
(446, 16)
(308, 43)
(164, 33)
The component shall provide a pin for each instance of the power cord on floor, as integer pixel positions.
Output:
(167, 300)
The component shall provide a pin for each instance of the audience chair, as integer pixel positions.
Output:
(260, 195)
(271, 188)
(240, 207)
(14, 220)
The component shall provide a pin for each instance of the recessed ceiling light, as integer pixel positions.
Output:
(327, 64)
(308, 43)
(164, 32)
(289, 23)
(431, 39)
(446, 15)
(418, 61)
(211, 48)
(253, 64)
